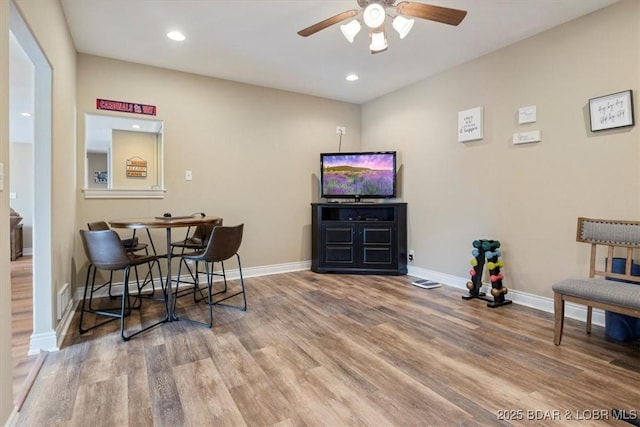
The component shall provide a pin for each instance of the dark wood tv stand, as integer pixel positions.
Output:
(366, 238)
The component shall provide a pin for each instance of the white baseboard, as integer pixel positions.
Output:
(63, 325)
(572, 311)
(47, 341)
(51, 341)
(12, 421)
(232, 274)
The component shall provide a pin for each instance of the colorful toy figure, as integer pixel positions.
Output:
(487, 250)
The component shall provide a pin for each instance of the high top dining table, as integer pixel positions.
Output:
(168, 223)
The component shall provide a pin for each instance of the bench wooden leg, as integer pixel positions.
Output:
(589, 313)
(558, 311)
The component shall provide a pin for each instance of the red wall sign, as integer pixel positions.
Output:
(125, 107)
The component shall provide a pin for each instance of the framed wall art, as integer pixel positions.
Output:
(527, 114)
(611, 111)
(470, 124)
(136, 167)
(100, 177)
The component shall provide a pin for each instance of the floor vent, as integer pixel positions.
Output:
(64, 300)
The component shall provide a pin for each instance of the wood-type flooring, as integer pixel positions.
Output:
(339, 350)
(21, 321)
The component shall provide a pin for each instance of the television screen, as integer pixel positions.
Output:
(358, 175)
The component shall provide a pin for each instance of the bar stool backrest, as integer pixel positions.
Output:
(223, 243)
(104, 249)
(97, 226)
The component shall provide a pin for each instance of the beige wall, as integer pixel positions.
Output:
(526, 196)
(253, 151)
(133, 146)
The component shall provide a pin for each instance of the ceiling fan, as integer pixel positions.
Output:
(373, 13)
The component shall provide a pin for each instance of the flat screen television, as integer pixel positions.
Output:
(366, 175)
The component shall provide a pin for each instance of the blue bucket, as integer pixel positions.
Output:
(619, 265)
(621, 327)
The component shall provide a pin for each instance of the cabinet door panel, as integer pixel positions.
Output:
(377, 245)
(336, 235)
(377, 256)
(338, 241)
(339, 255)
(376, 235)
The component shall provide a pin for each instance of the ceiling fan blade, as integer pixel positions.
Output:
(327, 23)
(444, 15)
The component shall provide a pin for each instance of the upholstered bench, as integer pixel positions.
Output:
(611, 295)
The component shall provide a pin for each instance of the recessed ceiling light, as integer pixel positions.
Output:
(176, 35)
(25, 114)
(352, 77)
(135, 126)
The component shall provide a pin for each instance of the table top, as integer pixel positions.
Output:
(156, 222)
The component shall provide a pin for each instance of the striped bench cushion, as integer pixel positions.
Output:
(602, 290)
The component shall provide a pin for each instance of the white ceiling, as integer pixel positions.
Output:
(256, 41)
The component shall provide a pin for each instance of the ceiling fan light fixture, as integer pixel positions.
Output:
(351, 29)
(373, 15)
(402, 25)
(378, 41)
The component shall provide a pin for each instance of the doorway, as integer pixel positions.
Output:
(43, 336)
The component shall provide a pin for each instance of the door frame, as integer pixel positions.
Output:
(44, 333)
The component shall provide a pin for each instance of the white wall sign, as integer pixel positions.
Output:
(470, 124)
(527, 114)
(526, 137)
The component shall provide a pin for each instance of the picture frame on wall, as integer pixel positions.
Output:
(470, 124)
(611, 111)
(100, 177)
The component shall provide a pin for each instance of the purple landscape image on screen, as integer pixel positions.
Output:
(358, 174)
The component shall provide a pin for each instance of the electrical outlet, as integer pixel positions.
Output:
(341, 130)
(412, 254)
